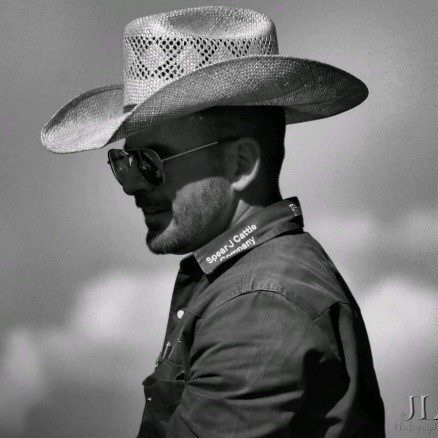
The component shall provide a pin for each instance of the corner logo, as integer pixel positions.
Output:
(423, 414)
(415, 421)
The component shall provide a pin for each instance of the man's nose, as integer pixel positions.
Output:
(134, 182)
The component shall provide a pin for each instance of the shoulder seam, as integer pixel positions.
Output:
(274, 288)
(279, 289)
(295, 306)
(266, 287)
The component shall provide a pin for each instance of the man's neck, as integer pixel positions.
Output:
(244, 210)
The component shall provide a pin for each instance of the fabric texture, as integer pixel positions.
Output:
(264, 339)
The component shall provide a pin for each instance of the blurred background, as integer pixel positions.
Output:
(83, 304)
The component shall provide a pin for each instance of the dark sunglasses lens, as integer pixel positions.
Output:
(150, 166)
(120, 165)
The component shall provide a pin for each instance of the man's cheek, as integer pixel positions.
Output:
(185, 194)
(186, 173)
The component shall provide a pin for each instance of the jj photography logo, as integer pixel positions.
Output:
(421, 416)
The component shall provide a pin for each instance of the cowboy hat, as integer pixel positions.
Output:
(184, 61)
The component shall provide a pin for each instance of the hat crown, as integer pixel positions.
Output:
(163, 47)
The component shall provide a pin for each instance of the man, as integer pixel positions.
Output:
(264, 338)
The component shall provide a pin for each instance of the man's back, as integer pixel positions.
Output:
(271, 343)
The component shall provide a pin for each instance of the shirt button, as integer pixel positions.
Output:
(149, 399)
(180, 313)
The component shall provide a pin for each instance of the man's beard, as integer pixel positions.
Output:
(194, 218)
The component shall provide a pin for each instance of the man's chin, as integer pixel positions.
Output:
(163, 243)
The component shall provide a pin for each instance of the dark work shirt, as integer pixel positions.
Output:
(264, 339)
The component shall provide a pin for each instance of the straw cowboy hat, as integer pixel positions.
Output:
(183, 61)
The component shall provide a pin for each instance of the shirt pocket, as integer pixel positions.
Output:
(165, 370)
(163, 390)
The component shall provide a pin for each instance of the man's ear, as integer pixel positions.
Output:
(246, 157)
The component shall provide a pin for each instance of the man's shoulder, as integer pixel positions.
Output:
(304, 271)
(292, 264)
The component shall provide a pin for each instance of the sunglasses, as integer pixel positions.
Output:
(148, 164)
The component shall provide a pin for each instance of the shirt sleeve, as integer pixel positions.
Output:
(260, 367)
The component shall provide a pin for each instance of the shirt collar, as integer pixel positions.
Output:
(252, 231)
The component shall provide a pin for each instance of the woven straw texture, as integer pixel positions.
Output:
(180, 62)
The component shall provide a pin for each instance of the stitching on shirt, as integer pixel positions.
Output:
(329, 307)
(189, 310)
(309, 266)
(294, 305)
(268, 287)
(278, 231)
(247, 275)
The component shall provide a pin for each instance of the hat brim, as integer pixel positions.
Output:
(308, 90)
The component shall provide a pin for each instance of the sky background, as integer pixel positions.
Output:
(83, 304)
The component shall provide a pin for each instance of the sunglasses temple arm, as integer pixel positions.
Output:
(188, 152)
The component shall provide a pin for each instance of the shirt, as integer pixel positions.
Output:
(264, 339)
